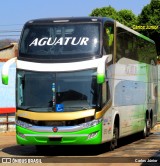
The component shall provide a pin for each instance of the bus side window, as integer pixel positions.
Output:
(126, 45)
(108, 38)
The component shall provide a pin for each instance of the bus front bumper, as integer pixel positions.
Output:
(92, 135)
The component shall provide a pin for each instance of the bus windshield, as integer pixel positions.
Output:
(59, 92)
(61, 42)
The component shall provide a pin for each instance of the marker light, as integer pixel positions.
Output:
(100, 78)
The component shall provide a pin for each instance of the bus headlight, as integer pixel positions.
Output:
(23, 124)
(92, 123)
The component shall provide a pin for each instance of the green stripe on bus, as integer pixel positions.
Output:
(146, 38)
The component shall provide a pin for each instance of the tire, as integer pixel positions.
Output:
(148, 127)
(143, 133)
(146, 131)
(113, 143)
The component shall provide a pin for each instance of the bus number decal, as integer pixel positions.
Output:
(131, 70)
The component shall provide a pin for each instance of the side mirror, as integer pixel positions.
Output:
(5, 70)
(100, 78)
(101, 68)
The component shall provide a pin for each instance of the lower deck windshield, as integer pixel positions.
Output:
(59, 92)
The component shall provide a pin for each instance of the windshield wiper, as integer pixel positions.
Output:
(30, 108)
(80, 107)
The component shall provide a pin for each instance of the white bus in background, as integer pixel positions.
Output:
(86, 80)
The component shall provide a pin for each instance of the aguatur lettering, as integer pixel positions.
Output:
(59, 41)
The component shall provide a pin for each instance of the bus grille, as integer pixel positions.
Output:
(57, 123)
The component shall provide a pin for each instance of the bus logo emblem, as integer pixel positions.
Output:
(55, 129)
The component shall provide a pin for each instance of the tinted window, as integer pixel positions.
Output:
(108, 38)
(134, 47)
(60, 41)
(126, 44)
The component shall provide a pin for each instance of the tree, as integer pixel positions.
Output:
(124, 16)
(150, 18)
(105, 12)
(127, 17)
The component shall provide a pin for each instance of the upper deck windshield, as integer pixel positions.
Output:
(63, 41)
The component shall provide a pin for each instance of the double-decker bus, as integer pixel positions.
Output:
(81, 81)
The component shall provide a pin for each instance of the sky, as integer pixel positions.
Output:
(13, 14)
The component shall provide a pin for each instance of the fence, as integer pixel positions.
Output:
(6, 121)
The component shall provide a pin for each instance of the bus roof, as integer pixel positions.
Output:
(85, 19)
(70, 19)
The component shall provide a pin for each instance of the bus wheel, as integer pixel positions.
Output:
(113, 143)
(143, 133)
(148, 127)
(146, 131)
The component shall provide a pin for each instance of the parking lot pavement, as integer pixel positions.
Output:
(7, 138)
(8, 133)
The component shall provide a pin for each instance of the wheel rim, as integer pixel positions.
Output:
(113, 143)
(145, 131)
(147, 127)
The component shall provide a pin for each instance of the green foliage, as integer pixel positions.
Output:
(150, 16)
(105, 12)
(127, 17)
(124, 16)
